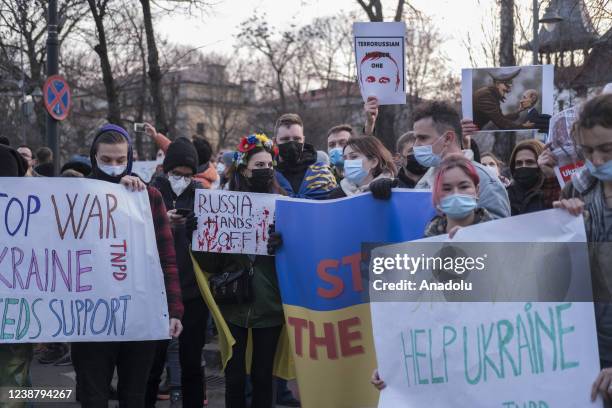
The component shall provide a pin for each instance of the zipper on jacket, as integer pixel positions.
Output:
(252, 272)
(248, 315)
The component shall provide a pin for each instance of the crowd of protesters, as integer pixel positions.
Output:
(438, 154)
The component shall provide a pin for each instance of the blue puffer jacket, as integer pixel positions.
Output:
(317, 181)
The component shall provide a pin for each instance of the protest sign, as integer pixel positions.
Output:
(564, 173)
(560, 129)
(379, 56)
(145, 169)
(78, 262)
(433, 352)
(233, 222)
(562, 144)
(323, 284)
(507, 98)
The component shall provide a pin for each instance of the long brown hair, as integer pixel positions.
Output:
(372, 148)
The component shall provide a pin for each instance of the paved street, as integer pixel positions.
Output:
(64, 377)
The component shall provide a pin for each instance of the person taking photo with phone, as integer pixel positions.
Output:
(178, 186)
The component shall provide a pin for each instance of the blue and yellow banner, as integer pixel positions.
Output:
(324, 286)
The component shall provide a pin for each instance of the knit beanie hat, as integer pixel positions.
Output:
(204, 150)
(181, 152)
(11, 163)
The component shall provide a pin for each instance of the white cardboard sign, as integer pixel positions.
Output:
(379, 57)
(233, 222)
(484, 354)
(78, 262)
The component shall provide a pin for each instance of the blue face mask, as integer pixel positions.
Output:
(603, 172)
(458, 206)
(425, 155)
(354, 172)
(335, 156)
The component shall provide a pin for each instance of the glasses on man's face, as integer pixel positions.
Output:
(177, 176)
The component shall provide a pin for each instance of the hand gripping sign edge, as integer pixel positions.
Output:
(57, 97)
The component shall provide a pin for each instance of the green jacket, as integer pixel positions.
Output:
(266, 310)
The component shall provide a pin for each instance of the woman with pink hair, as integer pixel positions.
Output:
(455, 196)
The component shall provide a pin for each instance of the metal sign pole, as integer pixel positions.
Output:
(52, 69)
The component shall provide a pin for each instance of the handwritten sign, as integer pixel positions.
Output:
(78, 262)
(233, 222)
(379, 57)
(145, 169)
(494, 354)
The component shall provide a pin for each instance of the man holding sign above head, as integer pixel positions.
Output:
(245, 286)
(95, 362)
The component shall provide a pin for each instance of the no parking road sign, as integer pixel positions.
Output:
(57, 96)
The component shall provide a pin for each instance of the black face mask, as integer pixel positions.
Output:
(527, 177)
(413, 166)
(261, 180)
(291, 152)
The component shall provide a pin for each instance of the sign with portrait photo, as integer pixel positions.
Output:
(507, 98)
(379, 57)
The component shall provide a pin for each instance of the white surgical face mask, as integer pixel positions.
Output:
(178, 183)
(220, 168)
(112, 170)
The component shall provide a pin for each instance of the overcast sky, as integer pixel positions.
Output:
(216, 30)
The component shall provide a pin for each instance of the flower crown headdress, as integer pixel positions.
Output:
(250, 142)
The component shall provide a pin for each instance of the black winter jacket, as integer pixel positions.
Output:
(182, 242)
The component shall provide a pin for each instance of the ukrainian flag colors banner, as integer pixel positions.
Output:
(324, 286)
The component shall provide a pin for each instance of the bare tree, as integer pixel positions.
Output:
(278, 49)
(137, 38)
(385, 123)
(425, 64)
(600, 12)
(23, 30)
(506, 33)
(505, 141)
(155, 74)
(485, 53)
(99, 11)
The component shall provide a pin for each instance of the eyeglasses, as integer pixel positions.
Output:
(180, 176)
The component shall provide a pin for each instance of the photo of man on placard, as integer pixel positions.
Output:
(508, 98)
